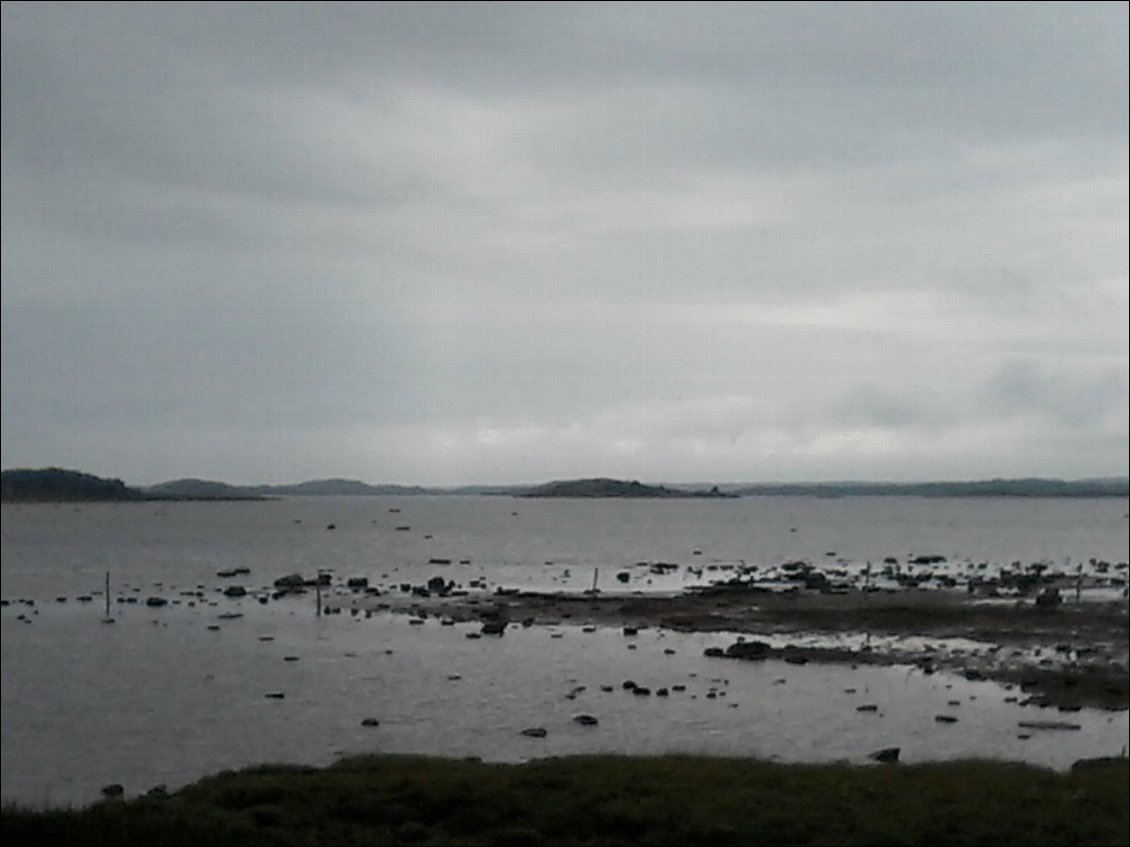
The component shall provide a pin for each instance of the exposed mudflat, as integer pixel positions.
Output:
(1068, 656)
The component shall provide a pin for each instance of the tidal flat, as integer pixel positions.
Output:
(725, 628)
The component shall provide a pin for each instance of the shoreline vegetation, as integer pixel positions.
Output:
(608, 800)
(62, 485)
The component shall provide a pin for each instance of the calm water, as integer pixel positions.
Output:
(168, 695)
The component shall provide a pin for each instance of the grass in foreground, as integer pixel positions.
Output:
(609, 801)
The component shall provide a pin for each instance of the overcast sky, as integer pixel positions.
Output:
(508, 243)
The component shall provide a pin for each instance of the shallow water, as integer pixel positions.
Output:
(171, 694)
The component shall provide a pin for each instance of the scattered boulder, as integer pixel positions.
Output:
(1049, 598)
(235, 591)
(494, 628)
(370, 722)
(113, 790)
(748, 650)
(1100, 762)
(888, 755)
(944, 719)
(586, 720)
(538, 731)
(1048, 725)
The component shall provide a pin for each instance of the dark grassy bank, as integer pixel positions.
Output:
(608, 800)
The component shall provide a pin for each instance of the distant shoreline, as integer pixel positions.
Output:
(57, 485)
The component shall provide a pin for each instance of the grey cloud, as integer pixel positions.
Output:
(1025, 387)
(741, 235)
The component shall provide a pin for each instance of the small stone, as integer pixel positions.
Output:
(888, 755)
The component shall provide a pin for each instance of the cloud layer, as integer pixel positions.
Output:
(446, 243)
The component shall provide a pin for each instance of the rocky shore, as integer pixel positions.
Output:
(1064, 656)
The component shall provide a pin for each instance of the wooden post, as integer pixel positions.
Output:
(595, 576)
(318, 594)
(107, 619)
(1078, 581)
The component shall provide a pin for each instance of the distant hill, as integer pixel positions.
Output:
(199, 489)
(46, 485)
(60, 485)
(604, 487)
(204, 489)
(1033, 487)
(338, 488)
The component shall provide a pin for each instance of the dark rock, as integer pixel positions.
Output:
(749, 650)
(1049, 598)
(357, 582)
(945, 719)
(113, 790)
(714, 652)
(888, 755)
(494, 628)
(867, 707)
(1048, 725)
(586, 720)
(294, 580)
(235, 591)
(370, 722)
(1100, 762)
(156, 602)
(537, 731)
